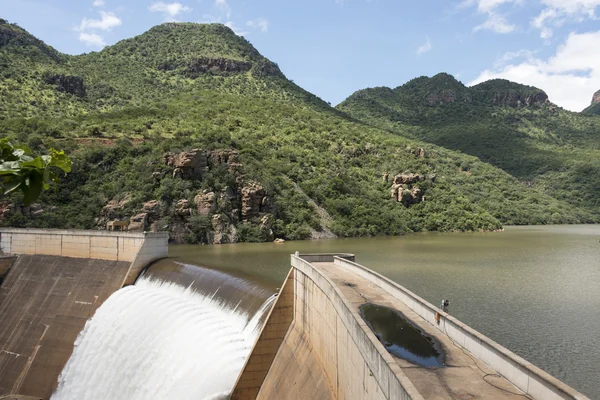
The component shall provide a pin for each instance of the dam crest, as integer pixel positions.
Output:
(80, 320)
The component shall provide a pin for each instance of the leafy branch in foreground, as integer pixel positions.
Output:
(20, 169)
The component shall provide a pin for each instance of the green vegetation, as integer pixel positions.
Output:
(508, 125)
(20, 170)
(187, 86)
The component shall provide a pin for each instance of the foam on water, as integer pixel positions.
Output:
(159, 340)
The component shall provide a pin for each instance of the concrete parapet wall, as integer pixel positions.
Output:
(530, 379)
(328, 351)
(267, 345)
(311, 258)
(139, 248)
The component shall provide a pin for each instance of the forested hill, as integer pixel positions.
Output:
(187, 128)
(511, 126)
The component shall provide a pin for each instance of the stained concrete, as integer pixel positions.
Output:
(45, 302)
(329, 352)
(464, 377)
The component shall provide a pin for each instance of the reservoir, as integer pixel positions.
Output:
(534, 290)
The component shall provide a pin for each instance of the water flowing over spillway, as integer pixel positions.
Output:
(160, 340)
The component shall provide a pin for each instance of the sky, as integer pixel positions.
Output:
(333, 48)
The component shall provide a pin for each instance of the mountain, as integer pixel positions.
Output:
(188, 128)
(511, 126)
(594, 108)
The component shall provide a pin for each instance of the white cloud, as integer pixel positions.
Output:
(495, 20)
(224, 7)
(107, 21)
(570, 77)
(91, 39)
(171, 10)
(99, 3)
(557, 12)
(261, 24)
(425, 47)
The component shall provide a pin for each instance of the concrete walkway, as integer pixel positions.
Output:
(44, 304)
(463, 378)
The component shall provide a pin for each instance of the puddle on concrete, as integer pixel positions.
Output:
(401, 338)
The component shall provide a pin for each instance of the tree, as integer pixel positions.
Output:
(20, 169)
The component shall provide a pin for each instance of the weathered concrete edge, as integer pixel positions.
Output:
(380, 362)
(80, 232)
(514, 368)
(153, 248)
(287, 287)
(139, 248)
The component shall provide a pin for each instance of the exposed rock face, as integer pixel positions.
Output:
(405, 191)
(188, 164)
(195, 163)
(266, 68)
(408, 179)
(596, 98)
(513, 98)
(203, 65)
(265, 227)
(152, 208)
(226, 156)
(7, 209)
(254, 201)
(138, 222)
(68, 84)
(205, 203)
(111, 211)
(182, 208)
(224, 230)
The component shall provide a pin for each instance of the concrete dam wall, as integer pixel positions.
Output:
(56, 283)
(317, 345)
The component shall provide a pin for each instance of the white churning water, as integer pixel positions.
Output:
(160, 340)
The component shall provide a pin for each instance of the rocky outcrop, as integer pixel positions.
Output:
(225, 156)
(66, 83)
(408, 179)
(596, 98)
(8, 208)
(405, 190)
(265, 227)
(254, 201)
(183, 209)
(224, 230)
(138, 222)
(205, 203)
(152, 208)
(193, 164)
(513, 98)
(187, 164)
(266, 68)
(111, 211)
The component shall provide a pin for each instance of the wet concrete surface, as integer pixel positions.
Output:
(401, 337)
(462, 377)
(45, 302)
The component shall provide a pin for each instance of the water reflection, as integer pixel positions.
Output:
(402, 338)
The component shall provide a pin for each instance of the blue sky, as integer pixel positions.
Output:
(335, 47)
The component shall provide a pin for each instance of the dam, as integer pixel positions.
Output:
(222, 337)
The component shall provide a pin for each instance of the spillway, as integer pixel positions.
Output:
(162, 339)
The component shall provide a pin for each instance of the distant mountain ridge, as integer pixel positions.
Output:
(594, 108)
(188, 128)
(514, 127)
